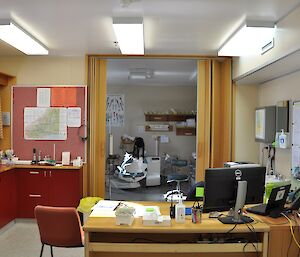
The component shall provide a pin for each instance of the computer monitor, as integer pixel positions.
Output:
(221, 187)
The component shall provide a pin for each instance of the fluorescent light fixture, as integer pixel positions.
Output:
(17, 37)
(130, 35)
(249, 39)
(140, 73)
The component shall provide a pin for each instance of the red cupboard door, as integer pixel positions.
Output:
(32, 190)
(8, 197)
(65, 187)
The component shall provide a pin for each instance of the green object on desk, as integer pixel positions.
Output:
(199, 191)
(150, 209)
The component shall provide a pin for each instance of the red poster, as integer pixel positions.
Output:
(63, 97)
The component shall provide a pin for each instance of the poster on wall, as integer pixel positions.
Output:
(45, 123)
(115, 110)
(260, 115)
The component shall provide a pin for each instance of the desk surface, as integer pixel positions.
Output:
(208, 225)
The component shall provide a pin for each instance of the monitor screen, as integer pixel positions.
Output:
(221, 187)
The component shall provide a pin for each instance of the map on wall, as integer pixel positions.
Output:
(45, 123)
(115, 110)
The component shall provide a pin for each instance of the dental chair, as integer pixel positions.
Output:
(133, 169)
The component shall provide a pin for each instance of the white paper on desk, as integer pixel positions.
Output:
(106, 205)
(43, 97)
(102, 213)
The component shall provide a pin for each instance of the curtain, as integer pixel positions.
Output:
(214, 115)
(96, 81)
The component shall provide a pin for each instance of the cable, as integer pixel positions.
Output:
(291, 228)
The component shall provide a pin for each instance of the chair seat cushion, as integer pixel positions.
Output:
(177, 177)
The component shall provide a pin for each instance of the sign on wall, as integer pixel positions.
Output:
(115, 110)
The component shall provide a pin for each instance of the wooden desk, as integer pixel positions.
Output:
(104, 238)
(281, 242)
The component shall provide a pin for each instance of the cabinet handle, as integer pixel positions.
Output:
(45, 174)
(157, 118)
(34, 172)
(188, 134)
(35, 196)
(50, 173)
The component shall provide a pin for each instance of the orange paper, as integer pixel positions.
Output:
(63, 97)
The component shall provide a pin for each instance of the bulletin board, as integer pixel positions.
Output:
(52, 119)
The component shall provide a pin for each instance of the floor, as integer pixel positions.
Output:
(143, 193)
(22, 240)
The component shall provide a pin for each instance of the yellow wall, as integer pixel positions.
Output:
(246, 149)
(38, 71)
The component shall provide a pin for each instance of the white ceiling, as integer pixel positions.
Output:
(175, 27)
(166, 72)
(79, 27)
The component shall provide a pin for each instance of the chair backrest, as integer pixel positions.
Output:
(191, 195)
(59, 226)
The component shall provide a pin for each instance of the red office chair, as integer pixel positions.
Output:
(59, 227)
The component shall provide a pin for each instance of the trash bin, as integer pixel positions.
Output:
(85, 206)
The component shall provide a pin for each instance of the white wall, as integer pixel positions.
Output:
(141, 99)
(286, 40)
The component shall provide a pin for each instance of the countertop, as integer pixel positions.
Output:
(11, 167)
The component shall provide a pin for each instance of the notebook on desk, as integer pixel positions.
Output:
(275, 204)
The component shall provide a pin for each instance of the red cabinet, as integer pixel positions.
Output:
(8, 197)
(54, 187)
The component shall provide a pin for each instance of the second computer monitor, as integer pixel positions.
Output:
(221, 187)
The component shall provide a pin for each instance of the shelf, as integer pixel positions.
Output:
(186, 131)
(159, 128)
(169, 117)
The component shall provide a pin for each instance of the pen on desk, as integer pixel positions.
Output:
(117, 206)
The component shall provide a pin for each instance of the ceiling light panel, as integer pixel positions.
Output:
(14, 35)
(248, 39)
(130, 35)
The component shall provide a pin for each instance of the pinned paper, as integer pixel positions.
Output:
(74, 117)
(63, 97)
(43, 97)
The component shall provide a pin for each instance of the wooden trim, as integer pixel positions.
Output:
(97, 129)
(203, 117)
(217, 113)
(173, 248)
(233, 127)
(157, 56)
(221, 140)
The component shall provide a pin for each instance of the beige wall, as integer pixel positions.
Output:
(40, 71)
(285, 88)
(246, 149)
(43, 70)
(286, 40)
(139, 100)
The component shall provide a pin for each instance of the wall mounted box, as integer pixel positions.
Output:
(265, 124)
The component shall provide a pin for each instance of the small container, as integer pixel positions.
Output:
(282, 140)
(180, 211)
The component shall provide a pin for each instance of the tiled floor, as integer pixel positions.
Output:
(22, 240)
(143, 193)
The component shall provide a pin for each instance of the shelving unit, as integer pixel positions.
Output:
(164, 118)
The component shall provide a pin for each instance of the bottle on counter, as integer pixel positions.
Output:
(34, 156)
(180, 211)
(282, 140)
